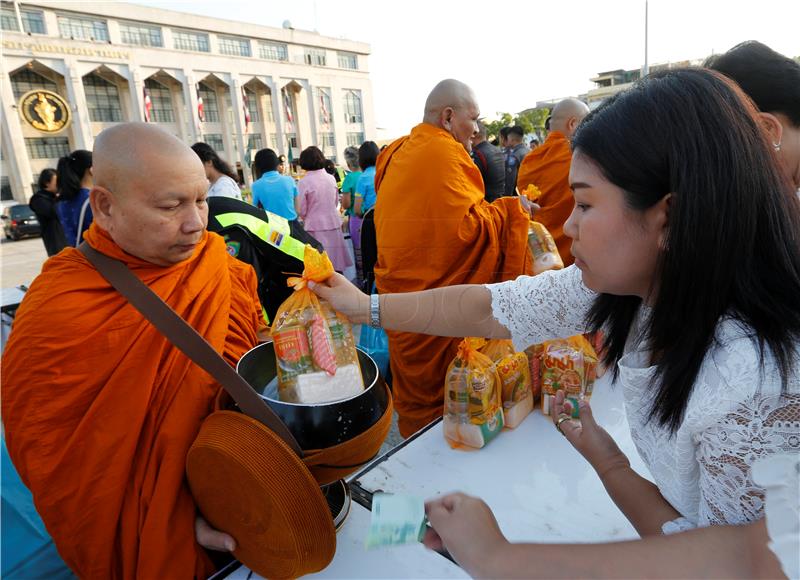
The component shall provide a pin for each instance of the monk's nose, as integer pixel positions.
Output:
(195, 220)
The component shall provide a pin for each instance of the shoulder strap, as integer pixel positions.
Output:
(80, 221)
(188, 340)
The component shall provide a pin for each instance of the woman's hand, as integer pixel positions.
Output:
(212, 539)
(585, 435)
(465, 527)
(528, 206)
(344, 297)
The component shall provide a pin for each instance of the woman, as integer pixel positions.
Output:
(319, 197)
(687, 251)
(74, 183)
(773, 82)
(43, 204)
(348, 190)
(220, 175)
(365, 189)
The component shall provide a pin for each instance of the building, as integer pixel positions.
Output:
(239, 87)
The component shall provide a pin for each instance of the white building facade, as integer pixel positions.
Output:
(238, 87)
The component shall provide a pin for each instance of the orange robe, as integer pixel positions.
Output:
(547, 167)
(100, 410)
(435, 229)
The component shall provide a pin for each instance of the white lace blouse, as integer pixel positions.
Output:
(736, 413)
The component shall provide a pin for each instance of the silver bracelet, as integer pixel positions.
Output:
(374, 311)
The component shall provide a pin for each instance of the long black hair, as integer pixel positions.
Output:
(45, 177)
(71, 170)
(733, 241)
(206, 153)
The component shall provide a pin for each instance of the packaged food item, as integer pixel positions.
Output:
(314, 348)
(569, 365)
(515, 380)
(534, 354)
(473, 413)
(543, 249)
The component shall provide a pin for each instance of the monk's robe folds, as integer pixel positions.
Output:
(547, 167)
(100, 410)
(434, 229)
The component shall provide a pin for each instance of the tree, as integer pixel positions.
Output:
(531, 121)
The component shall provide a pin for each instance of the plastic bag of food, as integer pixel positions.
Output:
(543, 249)
(314, 348)
(515, 380)
(569, 365)
(473, 410)
(534, 354)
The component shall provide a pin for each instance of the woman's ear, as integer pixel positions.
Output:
(774, 128)
(662, 216)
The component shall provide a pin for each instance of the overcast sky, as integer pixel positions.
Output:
(514, 53)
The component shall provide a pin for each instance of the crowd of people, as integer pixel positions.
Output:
(674, 206)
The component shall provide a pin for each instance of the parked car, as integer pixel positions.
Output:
(19, 221)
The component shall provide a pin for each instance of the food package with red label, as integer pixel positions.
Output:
(569, 365)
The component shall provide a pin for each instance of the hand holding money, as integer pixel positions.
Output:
(396, 520)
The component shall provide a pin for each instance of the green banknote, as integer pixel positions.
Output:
(396, 519)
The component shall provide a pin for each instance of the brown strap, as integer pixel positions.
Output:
(188, 340)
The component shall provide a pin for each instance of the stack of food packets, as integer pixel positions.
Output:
(569, 365)
(515, 380)
(314, 346)
(473, 411)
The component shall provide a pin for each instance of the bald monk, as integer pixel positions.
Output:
(99, 409)
(435, 229)
(547, 167)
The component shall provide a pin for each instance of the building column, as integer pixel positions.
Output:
(190, 97)
(136, 90)
(81, 131)
(337, 121)
(278, 114)
(227, 130)
(20, 172)
(179, 107)
(306, 121)
(238, 118)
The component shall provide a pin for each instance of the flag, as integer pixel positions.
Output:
(148, 104)
(246, 110)
(200, 111)
(323, 110)
(287, 104)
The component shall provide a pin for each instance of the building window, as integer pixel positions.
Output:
(323, 105)
(273, 51)
(233, 46)
(5, 189)
(292, 137)
(210, 107)
(328, 140)
(140, 34)
(355, 139)
(348, 60)
(161, 99)
(102, 97)
(27, 80)
(352, 107)
(80, 28)
(268, 107)
(187, 40)
(252, 106)
(315, 56)
(214, 140)
(273, 140)
(47, 147)
(254, 142)
(32, 21)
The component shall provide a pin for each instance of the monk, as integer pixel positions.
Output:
(435, 229)
(547, 167)
(99, 408)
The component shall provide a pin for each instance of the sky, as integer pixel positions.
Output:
(513, 53)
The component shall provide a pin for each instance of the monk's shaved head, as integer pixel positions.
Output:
(452, 106)
(567, 115)
(128, 154)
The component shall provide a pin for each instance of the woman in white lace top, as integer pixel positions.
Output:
(686, 237)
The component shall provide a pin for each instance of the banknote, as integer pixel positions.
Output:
(396, 519)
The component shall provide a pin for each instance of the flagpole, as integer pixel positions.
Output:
(646, 69)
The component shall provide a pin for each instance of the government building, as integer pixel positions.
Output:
(70, 69)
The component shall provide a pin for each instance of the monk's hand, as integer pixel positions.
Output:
(344, 297)
(212, 539)
(589, 438)
(465, 527)
(528, 206)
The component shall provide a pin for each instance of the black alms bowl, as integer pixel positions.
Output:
(319, 425)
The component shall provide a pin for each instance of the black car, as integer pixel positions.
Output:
(19, 221)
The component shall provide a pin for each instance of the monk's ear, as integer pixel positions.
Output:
(101, 201)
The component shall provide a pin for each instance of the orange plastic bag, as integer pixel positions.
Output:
(473, 413)
(515, 380)
(314, 348)
(543, 249)
(570, 365)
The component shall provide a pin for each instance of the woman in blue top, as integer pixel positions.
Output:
(74, 183)
(365, 188)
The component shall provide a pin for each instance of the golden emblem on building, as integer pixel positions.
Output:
(45, 111)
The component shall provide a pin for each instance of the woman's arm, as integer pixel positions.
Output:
(345, 200)
(464, 310)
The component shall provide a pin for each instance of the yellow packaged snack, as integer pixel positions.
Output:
(569, 365)
(543, 249)
(515, 380)
(314, 348)
(473, 413)
(534, 353)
